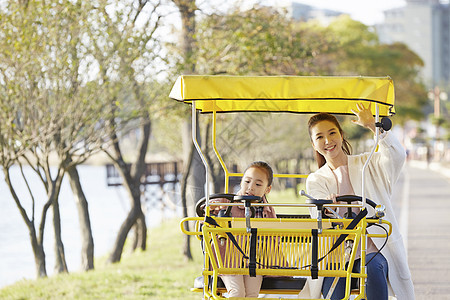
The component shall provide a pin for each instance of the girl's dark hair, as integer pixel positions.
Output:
(263, 166)
(346, 147)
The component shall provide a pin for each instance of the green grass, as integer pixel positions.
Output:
(161, 272)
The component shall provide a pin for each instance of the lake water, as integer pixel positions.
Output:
(108, 207)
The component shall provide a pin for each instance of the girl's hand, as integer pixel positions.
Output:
(365, 117)
(215, 209)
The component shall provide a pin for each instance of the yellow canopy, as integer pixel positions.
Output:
(298, 94)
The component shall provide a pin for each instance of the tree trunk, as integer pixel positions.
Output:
(125, 228)
(187, 10)
(139, 238)
(187, 238)
(60, 258)
(39, 257)
(87, 241)
(134, 218)
(39, 254)
(36, 242)
(197, 178)
(194, 179)
(141, 232)
(193, 186)
(134, 242)
(132, 182)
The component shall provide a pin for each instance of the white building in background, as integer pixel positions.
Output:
(423, 25)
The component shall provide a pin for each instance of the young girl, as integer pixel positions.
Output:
(256, 181)
(340, 174)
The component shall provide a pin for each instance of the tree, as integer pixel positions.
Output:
(360, 53)
(193, 169)
(30, 92)
(53, 111)
(258, 41)
(11, 151)
(261, 41)
(124, 46)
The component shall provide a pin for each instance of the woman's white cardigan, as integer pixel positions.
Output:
(381, 174)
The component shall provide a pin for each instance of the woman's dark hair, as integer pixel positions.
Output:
(263, 166)
(346, 147)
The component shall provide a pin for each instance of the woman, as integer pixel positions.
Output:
(256, 181)
(340, 174)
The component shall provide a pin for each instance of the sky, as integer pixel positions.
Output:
(369, 12)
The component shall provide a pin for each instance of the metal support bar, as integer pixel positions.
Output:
(248, 215)
(363, 196)
(363, 172)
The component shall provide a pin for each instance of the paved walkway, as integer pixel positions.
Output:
(426, 194)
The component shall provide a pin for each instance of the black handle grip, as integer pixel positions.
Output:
(247, 198)
(385, 124)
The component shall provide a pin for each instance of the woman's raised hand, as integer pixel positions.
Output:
(365, 117)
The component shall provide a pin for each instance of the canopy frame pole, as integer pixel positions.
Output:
(202, 156)
(363, 196)
(363, 172)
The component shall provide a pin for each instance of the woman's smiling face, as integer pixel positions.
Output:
(327, 140)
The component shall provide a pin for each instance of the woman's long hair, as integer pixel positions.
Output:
(346, 147)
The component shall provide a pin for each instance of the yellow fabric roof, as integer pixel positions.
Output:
(298, 94)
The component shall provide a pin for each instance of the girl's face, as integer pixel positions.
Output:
(255, 182)
(327, 140)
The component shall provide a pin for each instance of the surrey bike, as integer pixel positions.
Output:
(287, 251)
